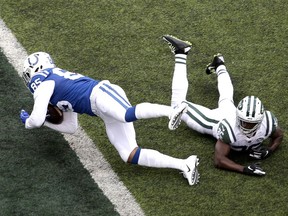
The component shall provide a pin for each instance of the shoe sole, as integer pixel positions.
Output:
(176, 120)
(210, 70)
(172, 47)
(195, 174)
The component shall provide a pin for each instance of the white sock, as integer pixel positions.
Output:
(221, 69)
(153, 158)
(225, 87)
(179, 81)
(149, 110)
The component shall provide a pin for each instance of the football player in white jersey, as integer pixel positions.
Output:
(241, 128)
(74, 93)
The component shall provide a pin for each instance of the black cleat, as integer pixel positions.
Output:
(217, 61)
(177, 46)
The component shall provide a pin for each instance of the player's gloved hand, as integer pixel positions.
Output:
(254, 169)
(260, 153)
(24, 116)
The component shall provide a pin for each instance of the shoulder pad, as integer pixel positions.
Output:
(225, 132)
(271, 123)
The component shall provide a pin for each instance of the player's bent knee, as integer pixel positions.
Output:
(125, 155)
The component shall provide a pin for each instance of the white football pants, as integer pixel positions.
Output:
(200, 118)
(109, 102)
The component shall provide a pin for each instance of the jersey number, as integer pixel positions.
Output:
(67, 74)
(35, 84)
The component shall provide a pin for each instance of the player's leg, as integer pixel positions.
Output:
(179, 80)
(122, 136)
(225, 86)
(200, 118)
(111, 100)
(180, 49)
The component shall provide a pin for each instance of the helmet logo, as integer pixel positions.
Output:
(36, 60)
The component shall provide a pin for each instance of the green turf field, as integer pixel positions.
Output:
(121, 41)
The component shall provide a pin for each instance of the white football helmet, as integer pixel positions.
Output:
(250, 113)
(35, 63)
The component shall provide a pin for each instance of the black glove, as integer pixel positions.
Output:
(254, 169)
(260, 153)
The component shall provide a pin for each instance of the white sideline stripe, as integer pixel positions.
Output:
(86, 150)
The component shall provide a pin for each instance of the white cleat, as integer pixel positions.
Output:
(192, 174)
(175, 118)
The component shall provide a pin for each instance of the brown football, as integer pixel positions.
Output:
(54, 115)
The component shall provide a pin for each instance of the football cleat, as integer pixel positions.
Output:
(217, 61)
(176, 45)
(192, 174)
(175, 118)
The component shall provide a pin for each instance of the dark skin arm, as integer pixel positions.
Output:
(276, 139)
(222, 151)
(221, 159)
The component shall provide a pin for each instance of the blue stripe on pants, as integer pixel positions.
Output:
(112, 89)
(115, 98)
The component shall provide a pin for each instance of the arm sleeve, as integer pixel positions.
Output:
(42, 97)
(69, 124)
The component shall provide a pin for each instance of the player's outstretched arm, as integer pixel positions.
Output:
(265, 151)
(222, 161)
(276, 139)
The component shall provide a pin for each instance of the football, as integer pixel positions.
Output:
(54, 115)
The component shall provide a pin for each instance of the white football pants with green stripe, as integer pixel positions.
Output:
(200, 118)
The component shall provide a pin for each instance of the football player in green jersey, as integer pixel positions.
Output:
(241, 128)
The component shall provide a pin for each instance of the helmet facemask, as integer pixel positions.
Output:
(250, 113)
(248, 128)
(26, 76)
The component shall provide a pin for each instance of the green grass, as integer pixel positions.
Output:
(121, 41)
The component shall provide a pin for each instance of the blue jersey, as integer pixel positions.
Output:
(72, 90)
